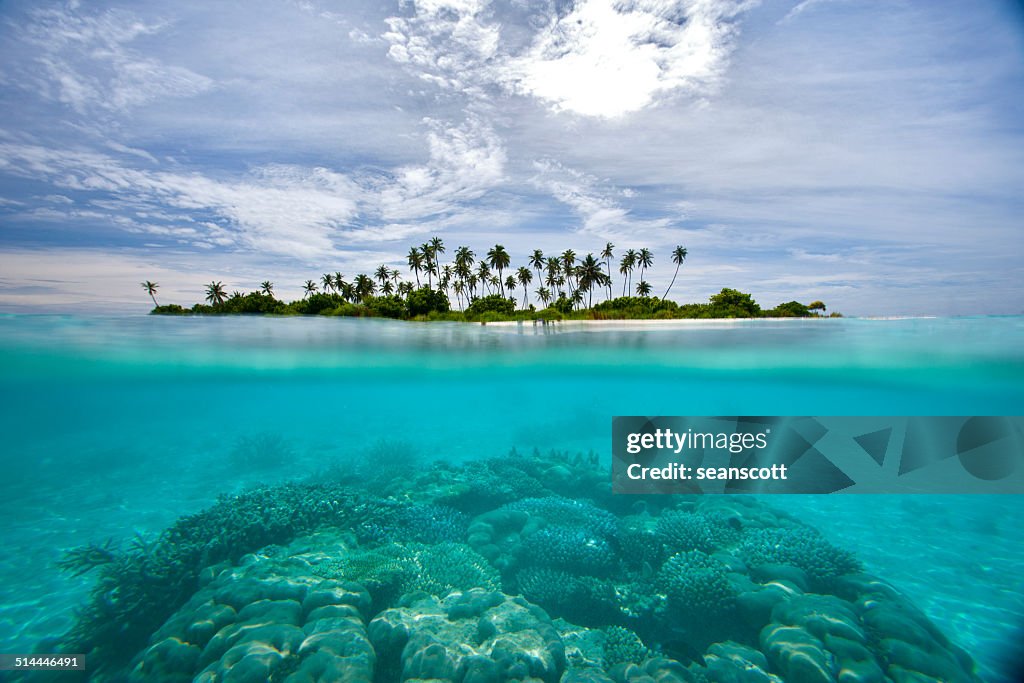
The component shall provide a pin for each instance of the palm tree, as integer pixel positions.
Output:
(544, 294)
(383, 274)
(459, 287)
(415, 259)
(327, 281)
(643, 288)
(151, 288)
(436, 248)
(626, 269)
(554, 269)
(364, 287)
(510, 285)
(646, 260)
(215, 293)
(537, 263)
(499, 260)
(678, 256)
(387, 288)
(428, 262)
(267, 287)
(607, 254)
(309, 288)
(589, 274)
(339, 281)
(525, 278)
(568, 267)
(483, 272)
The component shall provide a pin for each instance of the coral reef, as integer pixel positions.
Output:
(799, 547)
(516, 569)
(474, 636)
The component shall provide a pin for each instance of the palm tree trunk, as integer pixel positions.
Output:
(671, 283)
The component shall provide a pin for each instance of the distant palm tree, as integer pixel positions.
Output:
(510, 286)
(499, 259)
(339, 282)
(459, 287)
(483, 272)
(544, 294)
(428, 262)
(415, 260)
(382, 274)
(554, 268)
(151, 288)
(569, 267)
(645, 259)
(436, 249)
(537, 263)
(267, 287)
(608, 254)
(387, 288)
(626, 269)
(590, 274)
(215, 293)
(525, 278)
(678, 256)
(327, 280)
(643, 288)
(309, 288)
(365, 287)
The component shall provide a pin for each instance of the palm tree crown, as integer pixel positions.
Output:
(215, 293)
(151, 288)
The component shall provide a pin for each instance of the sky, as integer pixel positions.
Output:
(869, 154)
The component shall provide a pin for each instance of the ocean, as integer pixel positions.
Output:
(116, 427)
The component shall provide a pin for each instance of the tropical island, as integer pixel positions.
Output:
(486, 290)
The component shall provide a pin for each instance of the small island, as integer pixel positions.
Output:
(486, 290)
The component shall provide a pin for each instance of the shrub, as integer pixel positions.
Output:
(790, 309)
(426, 300)
(494, 303)
(386, 306)
(170, 309)
(732, 303)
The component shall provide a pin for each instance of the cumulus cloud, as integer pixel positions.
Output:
(608, 58)
(601, 59)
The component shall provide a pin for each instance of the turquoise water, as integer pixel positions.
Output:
(113, 426)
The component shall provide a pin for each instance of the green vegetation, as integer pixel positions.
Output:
(492, 289)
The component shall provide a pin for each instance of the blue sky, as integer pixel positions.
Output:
(869, 154)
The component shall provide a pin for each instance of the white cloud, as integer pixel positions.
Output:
(465, 161)
(90, 64)
(602, 59)
(599, 213)
(281, 209)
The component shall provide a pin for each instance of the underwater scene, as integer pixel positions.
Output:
(302, 499)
